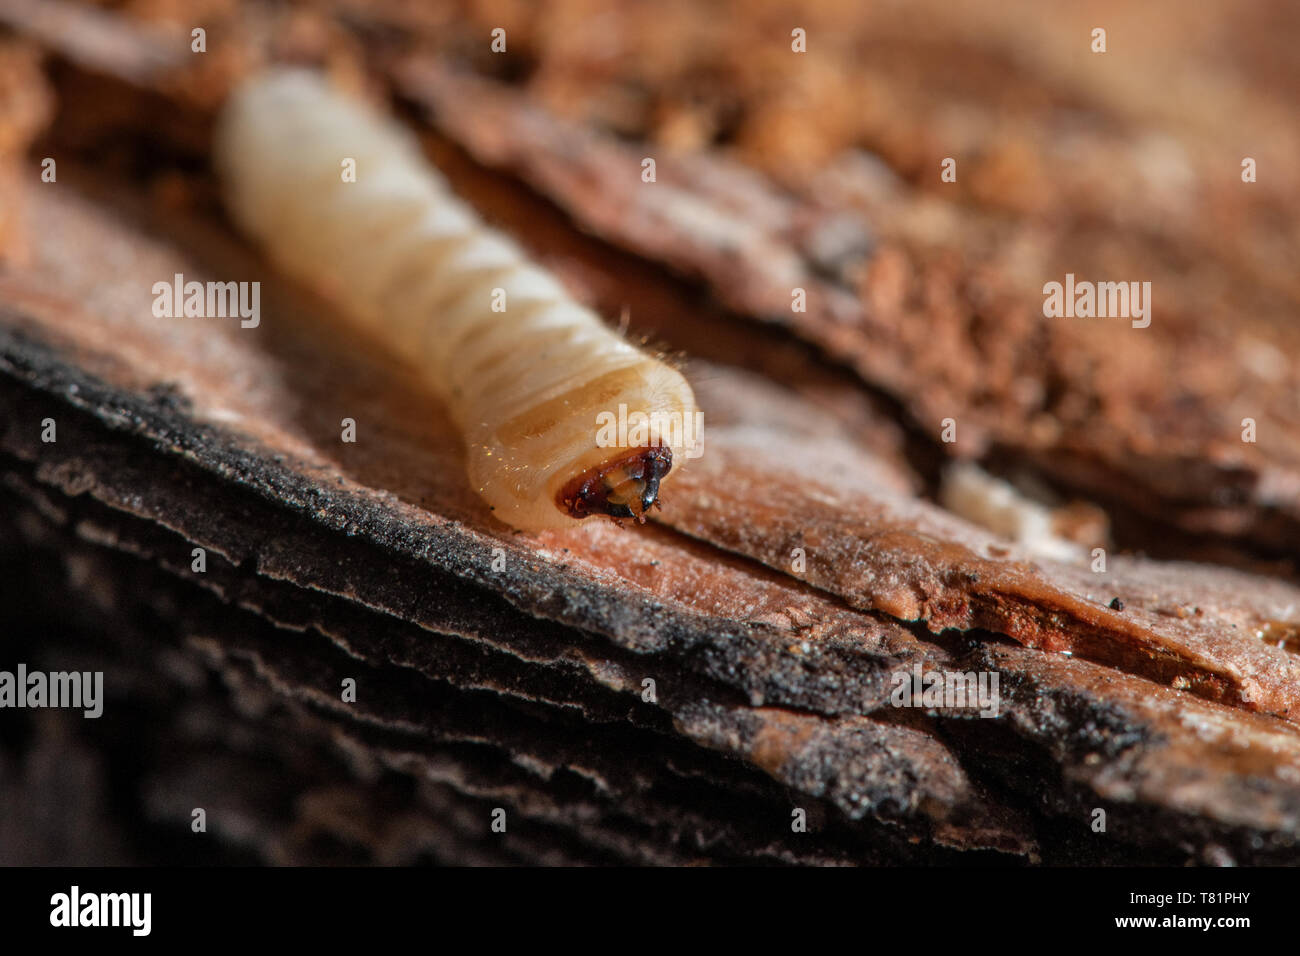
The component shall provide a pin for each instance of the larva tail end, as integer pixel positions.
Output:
(626, 487)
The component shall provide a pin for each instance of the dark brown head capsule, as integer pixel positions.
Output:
(625, 487)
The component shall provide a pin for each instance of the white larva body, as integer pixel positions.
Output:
(402, 255)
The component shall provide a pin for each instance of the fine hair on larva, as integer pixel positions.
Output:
(404, 257)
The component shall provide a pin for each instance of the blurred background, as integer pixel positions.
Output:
(797, 145)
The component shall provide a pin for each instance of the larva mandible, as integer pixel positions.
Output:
(403, 256)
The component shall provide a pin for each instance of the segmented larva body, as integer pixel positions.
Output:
(402, 255)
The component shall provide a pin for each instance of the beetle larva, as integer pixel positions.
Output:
(402, 255)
